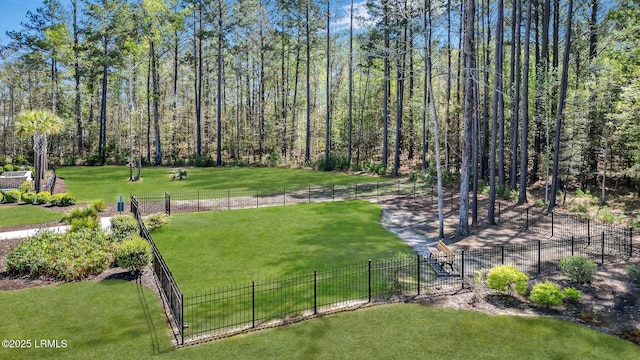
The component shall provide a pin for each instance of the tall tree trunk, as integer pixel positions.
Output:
(350, 110)
(197, 56)
(307, 151)
(386, 84)
(400, 64)
(219, 88)
(448, 101)
(327, 144)
(524, 142)
(563, 93)
(514, 80)
(76, 77)
(469, 113)
(155, 76)
(498, 118)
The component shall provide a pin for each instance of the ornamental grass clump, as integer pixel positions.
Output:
(579, 269)
(507, 279)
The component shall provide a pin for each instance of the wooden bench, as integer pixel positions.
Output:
(442, 254)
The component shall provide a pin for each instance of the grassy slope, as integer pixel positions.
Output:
(117, 320)
(107, 182)
(232, 248)
(26, 214)
(108, 319)
(415, 332)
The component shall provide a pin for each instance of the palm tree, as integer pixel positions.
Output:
(39, 124)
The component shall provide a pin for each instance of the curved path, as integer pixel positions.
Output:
(105, 223)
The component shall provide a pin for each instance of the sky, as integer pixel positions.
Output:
(12, 13)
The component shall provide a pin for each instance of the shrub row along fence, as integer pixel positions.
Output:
(207, 200)
(256, 305)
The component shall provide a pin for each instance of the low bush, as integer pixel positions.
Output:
(579, 269)
(547, 294)
(43, 197)
(81, 218)
(123, 226)
(133, 254)
(179, 174)
(507, 279)
(63, 199)
(8, 167)
(12, 196)
(508, 193)
(1, 197)
(156, 220)
(25, 187)
(68, 256)
(608, 217)
(99, 205)
(29, 197)
(571, 294)
(634, 272)
(56, 200)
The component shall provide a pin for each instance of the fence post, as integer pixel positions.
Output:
(369, 280)
(167, 203)
(502, 254)
(588, 232)
(602, 248)
(572, 245)
(253, 304)
(284, 195)
(228, 199)
(418, 257)
(198, 200)
(356, 191)
(315, 292)
(630, 242)
(333, 192)
(539, 256)
(309, 193)
(461, 270)
(181, 319)
(552, 224)
(257, 199)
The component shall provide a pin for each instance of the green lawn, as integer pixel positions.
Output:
(113, 319)
(26, 214)
(210, 250)
(107, 182)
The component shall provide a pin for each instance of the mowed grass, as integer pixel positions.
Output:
(107, 182)
(14, 215)
(98, 320)
(210, 250)
(114, 319)
(404, 331)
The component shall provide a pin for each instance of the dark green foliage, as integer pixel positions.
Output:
(133, 254)
(12, 196)
(156, 220)
(634, 272)
(29, 197)
(579, 269)
(123, 226)
(69, 256)
(8, 167)
(507, 279)
(547, 294)
(43, 197)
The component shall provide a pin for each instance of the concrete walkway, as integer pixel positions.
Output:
(405, 225)
(105, 223)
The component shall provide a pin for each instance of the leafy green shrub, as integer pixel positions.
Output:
(508, 193)
(42, 197)
(123, 226)
(634, 272)
(179, 174)
(156, 220)
(99, 205)
(541, 203)
(1, 169)
(571, 294)
(25, 187)
(1, 197)
(580, 208)
(507, 279)
(12, 196)
(133, 254)
(547, 294)
(29, 197)
(636, 222)
(579, 269)
(8, 167)
(68, 200)
(56, 200)
(68, 256)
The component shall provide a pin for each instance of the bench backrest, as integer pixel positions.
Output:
(444, 248)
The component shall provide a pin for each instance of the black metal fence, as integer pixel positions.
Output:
(169, 290)
(208, 200)
(228, 311)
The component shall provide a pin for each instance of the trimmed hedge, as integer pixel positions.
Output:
(43, 197)
(12, 196)
(507, 278)
(123, 226)
(133, 254)
(29, 197)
